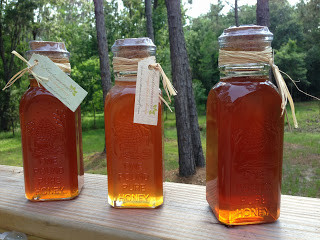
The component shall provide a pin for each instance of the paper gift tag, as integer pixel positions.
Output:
(59, 83)
(147, 93)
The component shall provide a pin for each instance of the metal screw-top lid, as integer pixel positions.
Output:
(134, 48)
(56, 51)
(245, 38)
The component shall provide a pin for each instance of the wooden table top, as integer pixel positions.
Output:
(184, 215)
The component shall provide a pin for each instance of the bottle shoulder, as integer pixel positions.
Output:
(35, 94)
(119, 97)
(250, 85)
(123, 89)
(233, 90)
(119, 92)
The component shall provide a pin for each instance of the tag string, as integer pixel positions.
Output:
(244, 57)
(121, 64)
(284, 92)
(167, 85)
(28, 69)
(264, 57)
(63, 66)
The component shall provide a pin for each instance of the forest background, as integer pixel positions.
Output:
(296, 43)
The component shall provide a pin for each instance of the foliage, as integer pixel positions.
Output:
(312, 61)
(87, 74)
(296, 41)
(290, 59)
(308, 13)
(284, 23)
(202, 46)
(247, 15)
(199, 92)
(15, 22)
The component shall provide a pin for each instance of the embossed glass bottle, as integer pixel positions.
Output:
(244, 135)
(51, 136)
(134, 151)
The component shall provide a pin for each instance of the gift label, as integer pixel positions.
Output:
(58, 82)
(147, 93)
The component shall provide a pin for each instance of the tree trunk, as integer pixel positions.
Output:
(262, 13)
(102, 48)
(195, 131)
(148, 11)
(236, 12)
(189, 142)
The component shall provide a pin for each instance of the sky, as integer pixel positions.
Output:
(199, 7)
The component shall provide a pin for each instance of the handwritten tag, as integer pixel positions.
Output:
(58, 83)
(147, 93)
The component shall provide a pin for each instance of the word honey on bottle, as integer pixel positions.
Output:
(134, 151)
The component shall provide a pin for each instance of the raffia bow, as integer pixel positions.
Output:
(264, 57)
(131, 65)
(28, 69)
(167, 85)
(283, 91)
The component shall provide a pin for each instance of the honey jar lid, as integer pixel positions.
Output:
(245, 37)
(134, 47)
(245, 30)
(132, 42)
(51, 49)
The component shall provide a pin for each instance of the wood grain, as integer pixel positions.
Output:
(184, 215)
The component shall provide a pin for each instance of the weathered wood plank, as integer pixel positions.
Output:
(184, 215)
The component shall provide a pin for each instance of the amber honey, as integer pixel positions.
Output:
(134, 151)
(51, 143)
(244, 149)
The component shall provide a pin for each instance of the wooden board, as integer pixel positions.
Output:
(184, 215)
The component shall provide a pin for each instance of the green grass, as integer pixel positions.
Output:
(171, 143)
(301, 162)
(93, 141)
(88, 121)
(308, 116)
(301, 168)
(301, 159)
(10, 149)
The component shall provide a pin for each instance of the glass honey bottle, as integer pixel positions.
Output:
(51, 136)
(245, 127)
(134, 151)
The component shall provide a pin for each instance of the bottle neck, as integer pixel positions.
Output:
(125, 78)
(252, 70)
(34, 83)
(125, 83)
(245, 56)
